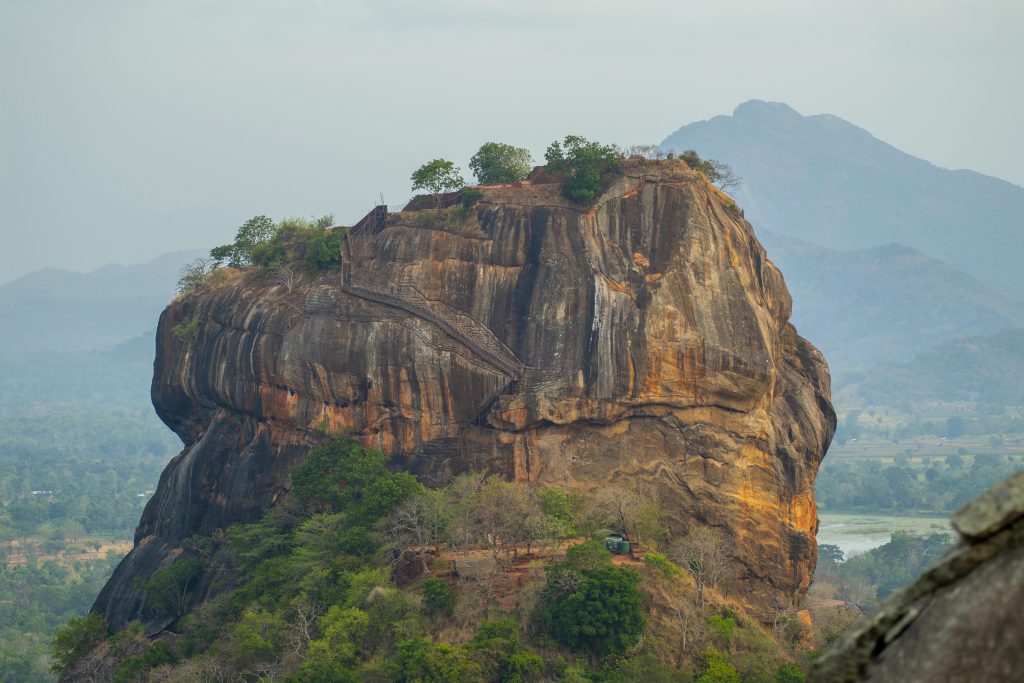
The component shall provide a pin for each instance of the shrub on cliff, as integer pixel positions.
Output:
(194, 274)
(496, 162)
(294, 242)
(301, 243)
(186, 331)
(719, 173)
(587, 167)
(470, 197)
(76, 639)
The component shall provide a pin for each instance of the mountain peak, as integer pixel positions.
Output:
(761, 108)
(825, 180)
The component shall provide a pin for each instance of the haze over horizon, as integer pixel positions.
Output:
(130, 131)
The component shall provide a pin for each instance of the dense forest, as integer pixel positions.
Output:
(929, 460)
(79, 475)
(918, 485)
(79, 443)
(383, 579)
(72, 488)
(35, 599)
(80, 453)
(96, 467)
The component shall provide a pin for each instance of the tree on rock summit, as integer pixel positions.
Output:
(437, 177)
(496, 162)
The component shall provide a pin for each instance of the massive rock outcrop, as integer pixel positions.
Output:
(643, 341)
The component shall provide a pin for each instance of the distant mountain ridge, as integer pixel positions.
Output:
(60, 310)
(112, 281)
(824, 180)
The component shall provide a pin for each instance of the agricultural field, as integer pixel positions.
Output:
(927, 461)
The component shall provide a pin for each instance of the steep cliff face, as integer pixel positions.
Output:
(643, 341)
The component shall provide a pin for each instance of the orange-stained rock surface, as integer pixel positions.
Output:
(644, 340)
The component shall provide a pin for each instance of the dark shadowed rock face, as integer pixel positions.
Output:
(961, 621)
(642, 341)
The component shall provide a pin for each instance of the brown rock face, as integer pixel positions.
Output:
(643, 340)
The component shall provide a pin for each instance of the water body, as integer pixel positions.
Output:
(858, 533)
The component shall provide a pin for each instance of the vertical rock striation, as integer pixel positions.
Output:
(643, 341)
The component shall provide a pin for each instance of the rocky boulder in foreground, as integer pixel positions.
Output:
(642, 342)
(961, 621)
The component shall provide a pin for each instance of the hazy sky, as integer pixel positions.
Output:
(132, 128)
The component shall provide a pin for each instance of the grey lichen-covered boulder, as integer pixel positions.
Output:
(960, 621)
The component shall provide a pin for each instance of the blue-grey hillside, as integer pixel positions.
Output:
(983, 369)
(868, 306)
(824, 180)
(60, 310)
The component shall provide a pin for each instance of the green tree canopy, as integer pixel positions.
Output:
(420, 661)
(588, 555)
(76, 639)
(587, 166)
(129, 669)
(333, 656)
(498, 646)
(437, 177)
(602, 616)
(255, 231)
(167, 589)
(438, 597)
(830, 553)
(717, 669)
(496, 162)
(292, 243)
(345, 476)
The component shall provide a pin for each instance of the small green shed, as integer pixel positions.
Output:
(617, 544)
